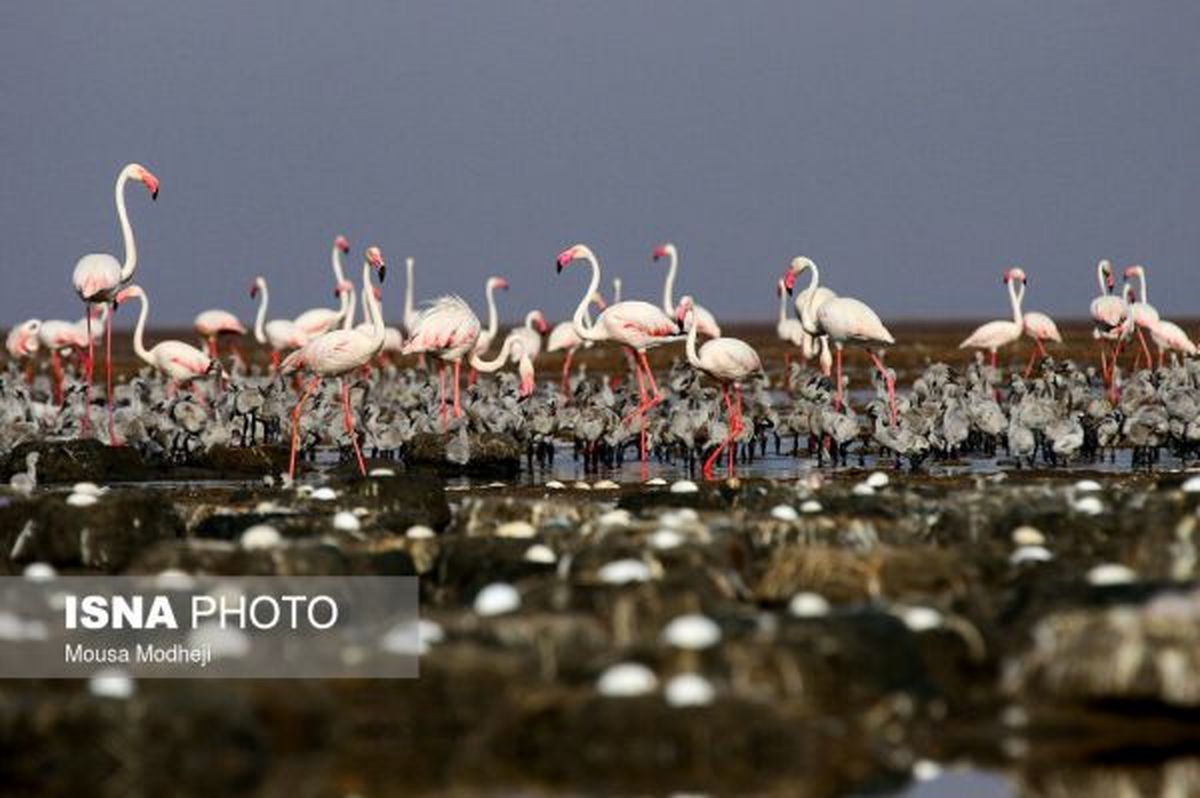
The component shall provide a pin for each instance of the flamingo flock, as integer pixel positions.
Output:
(325, 342)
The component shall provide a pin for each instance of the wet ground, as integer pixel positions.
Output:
(972, 629)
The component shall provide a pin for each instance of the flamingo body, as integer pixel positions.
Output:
(447, 329)
(215, 322)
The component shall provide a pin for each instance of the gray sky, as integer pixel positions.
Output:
(913, 149)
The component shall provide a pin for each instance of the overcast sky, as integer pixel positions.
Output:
(913, 149)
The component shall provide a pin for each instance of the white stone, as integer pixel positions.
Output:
(685, 486)
(554, 484)
(627, 680)
(685, 516)
(921, 619)
(174, 579)
(346, 521)
(516, 529)
(863, 489)
(615, 518)
(1111, 574)
(1028, 536)
(606, 484)
(655, 482)
(324, 494)
(1192, 485)
(1087, 486)
(88, 488)
(689, 690)
(582, 486)
(261, 536)
(808, 605)
(81, 500)
(926, 770)
(1088, 505)
(497, 599)
(418, 532)
(39, 572)
(540, 552)
(1024, 554)
(624, 572)
(784, 512)
(663, 539)
(811, 506)
(878, 480)
(381, 472)
(112, 683)
(693, 632)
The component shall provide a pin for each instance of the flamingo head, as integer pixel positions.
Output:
(375, 258)
(1130, 294)
(256, 286)
(539, 321)
(684, 309)
(1015, 274)
(498, 282)
(343, 287)
(663, 251)
(571, 253)
(139, 172)
(598, 300)
(342, 244)
(1134, 271)
(797, 267)
(1106, 270)
(126, 294)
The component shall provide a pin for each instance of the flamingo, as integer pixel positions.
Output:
(791, 332)
(179, 362)
(513, 350)
(1142, 315)
(563, 339)
(997, 334)
(1108, 312)
(280, 334)
(705, 321)
(317, 321)
(729, 361)
(338, 353)
(97, 279)
(530, 335)
(1039, 327)
(484, 342)
(634, 324)
(63, 337)
(1170, 337)
(843, 319)
(447, 329)
(393, 339)
(212, 324)
(22, 344)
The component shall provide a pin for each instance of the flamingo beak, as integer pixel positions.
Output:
(151, 183)
(564, 259)
(659, 252)
(382, 272)
(789, 282)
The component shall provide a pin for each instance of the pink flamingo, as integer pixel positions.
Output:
(513, 350)
(99, 276)
(995, 335)
(1039, 327)
(280, 334)
(22, 344)
(530, 335)
(338, 353)
(1170, 337)
(564, 339)
(841, 320)
(729, 361)
(634, 324)
(484, 342)
(705, 321)
(791, 331)
(63, 338)
(210, 325)
(1108, 312)
(1142, 315)
(317, 321)
(180, 363)
(447, 329)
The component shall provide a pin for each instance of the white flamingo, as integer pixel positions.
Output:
(22, 344)
(179, 362)
(486, 336)
(729, 361)
(211, 324)
(1108, 312)
(97, 279)
(1170, 337)
(64, 338)
(281, 335)
(448, 330)
(563, 338)
(338, 353)
(634, 324)
(706, 323)
(791, 331)
(1141, 316)
(1040, 328)
(995, 335)
(317, 321)
(843, 320)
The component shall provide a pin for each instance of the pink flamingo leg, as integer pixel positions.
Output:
(995, 360)
(442, 393)
(112, 427)
(837, 396)
(891, 384)
(566, 373)
(457, 406)
(56, 371)
(1103, 363)
(348, 418)
(656, 400)
(274, 361)
(1145, 348)
(296, 424)
(642, 398)
(1033, 353)
(89, 368)
(712, 458)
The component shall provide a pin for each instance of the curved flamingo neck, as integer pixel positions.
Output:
(489, 366)
(580, 321)
(374, 311)
(1104, 289)
(782, 304)
(692, 356)
(130, 264)
(493, 317)
(351, 298)
(807, 320)
(1015, 300)
(335, 258)
(669, 283)
(409, 311)
(1143, 297)
(139, 331)
(531, 317)
(260, 318)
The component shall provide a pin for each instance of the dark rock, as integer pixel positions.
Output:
(226, 462)
(402, 500)
(297, 559)
(104, 536)
(81, 460)
(491, 454)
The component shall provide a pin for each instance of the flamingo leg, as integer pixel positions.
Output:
(274, 361)
(348, 418)
(457, 406)
(211, 344)
(712, 458)
(472, 375)
(1033, 353)
(566, 373)
(56, 372)
(89, 368)
(995, 360)
(312, 385)
(889, 380)
(837, 396)
(442, 393)
(642, 398)
(1145, 349)
(112, 427)
(1103, 362)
